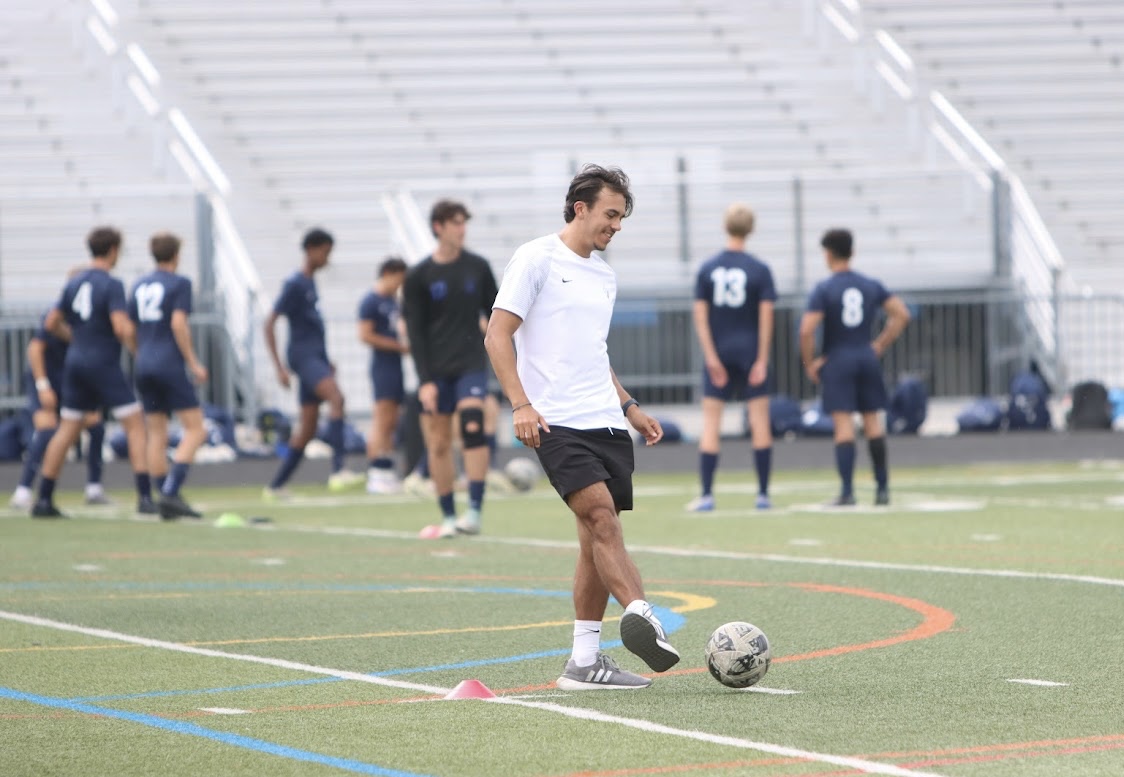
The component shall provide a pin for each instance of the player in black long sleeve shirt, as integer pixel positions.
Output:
(444, 298)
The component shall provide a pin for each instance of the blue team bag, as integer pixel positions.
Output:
(1028, 407)
(909, 405)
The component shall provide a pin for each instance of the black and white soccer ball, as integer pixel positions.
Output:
(523, 473)
(738, 654)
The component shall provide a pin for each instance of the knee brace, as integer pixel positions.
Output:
(472, 428)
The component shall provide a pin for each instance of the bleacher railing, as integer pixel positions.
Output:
(1024, 251)
(138, 87)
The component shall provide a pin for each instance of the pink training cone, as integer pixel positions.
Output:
(470, 689)
(431, 532)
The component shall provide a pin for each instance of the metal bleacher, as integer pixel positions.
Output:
(72, 156)
(321, 106)
(1043, 82)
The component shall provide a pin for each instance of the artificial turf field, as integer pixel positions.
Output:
(324, 642)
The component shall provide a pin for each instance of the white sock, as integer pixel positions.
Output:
(587, 642)
(94, 489)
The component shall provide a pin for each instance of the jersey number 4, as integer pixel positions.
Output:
(83, 302)
(149, 297)
(729, 287)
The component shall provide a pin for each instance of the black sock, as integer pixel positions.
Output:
(877, 447)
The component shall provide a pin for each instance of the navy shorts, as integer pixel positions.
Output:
(576, 458)
(852, 381)
(33, 405)
(737, 384)
(310, 371)
(387, 383)
(165, 392)
(86, 389)
(452, 390)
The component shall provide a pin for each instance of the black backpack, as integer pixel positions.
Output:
(1091, 408)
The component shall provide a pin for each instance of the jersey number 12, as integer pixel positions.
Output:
(149, 296)
(729, 287)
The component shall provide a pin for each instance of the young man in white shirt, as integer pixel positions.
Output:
(555, 302)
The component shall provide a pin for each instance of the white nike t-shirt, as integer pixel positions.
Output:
(566, 303)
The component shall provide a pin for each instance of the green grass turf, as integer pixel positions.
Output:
(923, 686)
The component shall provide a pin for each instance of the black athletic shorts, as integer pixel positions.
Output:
(576, 458)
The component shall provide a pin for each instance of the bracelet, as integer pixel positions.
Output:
(629, 403)
(517, 407)
(42, 384)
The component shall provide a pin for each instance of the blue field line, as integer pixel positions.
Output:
(672, 622)
(191, 729)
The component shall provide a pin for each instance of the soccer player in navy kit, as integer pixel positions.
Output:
(307, 356)
(848, 367)
(733, 314)
(378, 329)
(46, 355)
(159, 307)
(443, 299)
(93, 306)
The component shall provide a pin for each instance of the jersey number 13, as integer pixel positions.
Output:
(729, 287)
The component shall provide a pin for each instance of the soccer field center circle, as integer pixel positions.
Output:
(935, 620)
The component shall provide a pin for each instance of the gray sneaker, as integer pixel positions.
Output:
(644, 636)
(602, 675)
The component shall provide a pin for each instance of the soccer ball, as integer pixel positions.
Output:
(738, 655)
(522, 472)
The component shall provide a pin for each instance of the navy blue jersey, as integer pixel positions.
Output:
(87, 301)
(849, 302)
(734, 284)
(54, 352)
(155, 298)
(299, 302)
(383, 313)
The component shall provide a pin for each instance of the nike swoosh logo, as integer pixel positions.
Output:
(566, 281)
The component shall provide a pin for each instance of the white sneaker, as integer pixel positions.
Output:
(643, 634)
(498, 482)
(448, 529)
(416, 485)
(22, 498)
(383, 481)
(702, 504)
(95, 495)
(276, 494)
(343, 480)
(469, 523)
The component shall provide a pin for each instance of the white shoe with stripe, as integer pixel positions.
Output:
(602, 675)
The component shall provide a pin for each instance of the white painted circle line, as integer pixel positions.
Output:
(986, 537)
(772, 691)
(87, 568)
(869, 767)
(224, 711)
(805, 543)
(270, 562)
(1044, 683)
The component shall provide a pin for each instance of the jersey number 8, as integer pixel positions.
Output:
(852, 307)
(729, 287)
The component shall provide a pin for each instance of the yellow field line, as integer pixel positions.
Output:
(690, 603)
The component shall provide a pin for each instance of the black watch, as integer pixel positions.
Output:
(628, 404)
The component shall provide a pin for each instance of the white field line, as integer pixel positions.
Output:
(772, 691)
(224, 711)
(1044, 683)
(870, 767)
(776, 558)
(198, 651)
